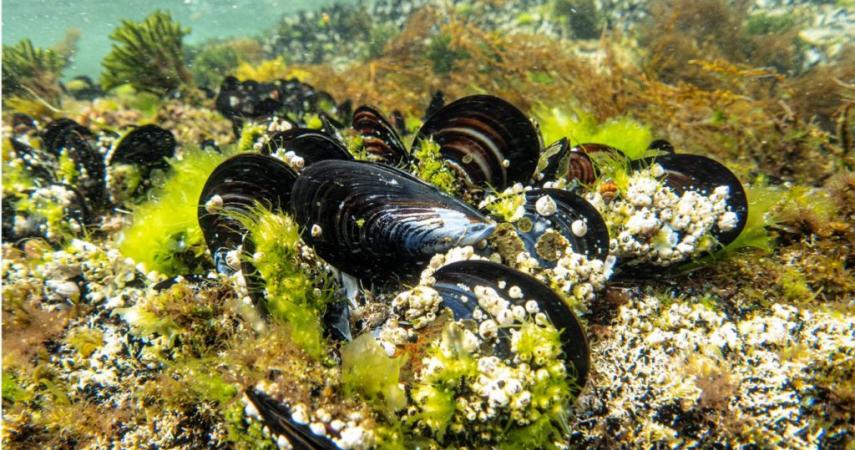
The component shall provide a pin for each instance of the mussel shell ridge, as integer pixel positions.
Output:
(454, 283)
(487, 140)
(240, 183)
(379, 137)
(372, 220)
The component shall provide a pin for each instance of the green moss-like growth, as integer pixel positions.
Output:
(794, 286)
(367, 369)
(625, 134)
(432, 169)
(165, 234)
(249, 134)
(147, 55)
(435, 393)
(294, 297)
(85, 341)
(31, 71)
(508, 205)
(761, 200)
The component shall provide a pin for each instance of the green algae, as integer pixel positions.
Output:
(293, 296)
(508, 205)
(367, 369)
(31, 71)
(85, 341)
(249, 134)
(164, 235)
(431, 168)
(623, 133)
(436, 391)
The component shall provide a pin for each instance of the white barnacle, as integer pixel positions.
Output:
(579, 228)
(545, 206)
(214, 204)
(728, 221)
(532, 307)
(316, 230)
(487, 329)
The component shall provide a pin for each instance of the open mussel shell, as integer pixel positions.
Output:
(455, 283)
(486, 140)
(576, 220)
(278, 417)
(231, 191)
(699, 173)
(575, 164)
(309, 145)
(379, 137)
(372, 220)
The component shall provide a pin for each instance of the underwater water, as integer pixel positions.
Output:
(428, 224)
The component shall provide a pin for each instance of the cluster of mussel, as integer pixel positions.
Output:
(374, 221)
(74, 174)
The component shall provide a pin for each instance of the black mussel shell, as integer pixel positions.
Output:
(379, 137)
(488, 141)
(198, 282)
(23, 123)
(455, 281)
(311, 145)
(372, 220)
(65, 135)
(248, 99)
(76, 210)
(56, 132)
(400, 123)
(581, 164)
(574, 218)
(661, 145)
(40, 165)
(437, 101)
(82, 87)
(552, 158)
(702, 174)
(147, 147)
(240, 182)
(277, 416)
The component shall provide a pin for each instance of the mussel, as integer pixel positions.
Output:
(486, 140)
(372, 220)
(379, 137)
(702, 174)
(550, 211)
(65, 138)
(135, 157)
(304, 147)
(232, 190)
(456, 282)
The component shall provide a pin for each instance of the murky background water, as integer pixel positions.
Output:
(46, 21)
